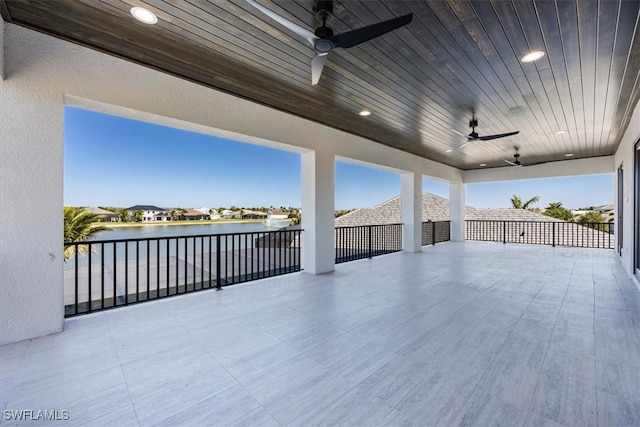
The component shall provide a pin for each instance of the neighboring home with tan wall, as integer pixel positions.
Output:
(192, 214)
(229, 214)
(249, 214)
(211, 212)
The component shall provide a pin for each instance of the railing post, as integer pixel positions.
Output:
(218, 279)
(370, 239)
(75, 267)
(553, 234)
(90, 299)
(504, 232)
(433, 232)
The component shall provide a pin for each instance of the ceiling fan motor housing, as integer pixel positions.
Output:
(324, 14)
(472, 124)
(324, 11)
(323, 32)
(323, 46)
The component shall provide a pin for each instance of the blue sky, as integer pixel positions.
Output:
(112, 161)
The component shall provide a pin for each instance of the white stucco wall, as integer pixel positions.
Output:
(625, 155)
(1, 49)
(318, 207)
(457, 209)
(411, 211)
(31, 115)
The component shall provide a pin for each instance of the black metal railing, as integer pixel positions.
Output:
(554, 233)
(435, 232)
(114, 273)
(367, 241)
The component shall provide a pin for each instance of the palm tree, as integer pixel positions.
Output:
(138, 215)
(79, 227)
(556, 210)
(517, 203)
(123, 215)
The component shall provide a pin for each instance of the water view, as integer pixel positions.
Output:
(170, 230)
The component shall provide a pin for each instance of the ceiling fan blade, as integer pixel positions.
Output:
(317, 64)
(500, 135)
(361, 35)
(463, 145)
(302, 32)
(534, 164)
(512, 163)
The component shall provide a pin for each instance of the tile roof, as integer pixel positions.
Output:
(145, 208)
(193, 212)
(434, 208)
(100, 211)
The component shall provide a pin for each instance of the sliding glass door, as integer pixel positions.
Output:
(636, 210)
(620, 210)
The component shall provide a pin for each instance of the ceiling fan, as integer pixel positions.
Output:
(323, 40)
(473, 136)
(516, 158)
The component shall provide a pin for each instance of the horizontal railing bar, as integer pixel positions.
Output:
(533, 222)
(189, 236)
(368, 225)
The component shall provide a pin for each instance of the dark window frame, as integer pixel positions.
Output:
(636, 207)
(620, 209)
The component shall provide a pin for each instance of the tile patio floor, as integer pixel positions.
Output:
(460, 334)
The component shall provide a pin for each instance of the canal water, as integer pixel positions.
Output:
(151, 231)
(169, 241)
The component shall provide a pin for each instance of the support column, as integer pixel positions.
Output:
(31, 202)
(1, 49)
(457, 206)
(318, 212)
(411, 211)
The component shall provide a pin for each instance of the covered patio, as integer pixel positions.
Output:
(470, 333)
(462, 333)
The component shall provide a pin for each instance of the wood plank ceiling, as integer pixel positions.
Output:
(422, 83)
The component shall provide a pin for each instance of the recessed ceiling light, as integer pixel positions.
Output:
(534, 55)
(365, 113)
(144, 15)
(483, 164)
(569, 155)
(561, 132)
